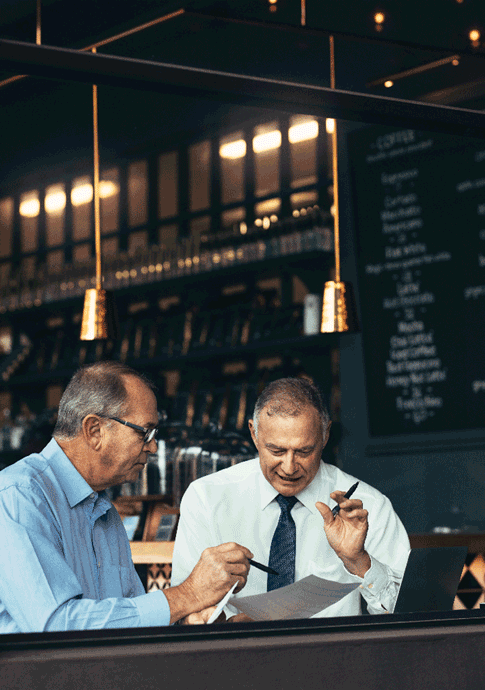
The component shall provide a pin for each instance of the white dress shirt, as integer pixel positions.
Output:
(238, 504)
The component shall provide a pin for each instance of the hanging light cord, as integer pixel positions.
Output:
(336, 230)
(97, 218)
(38, 24)
(303, 12)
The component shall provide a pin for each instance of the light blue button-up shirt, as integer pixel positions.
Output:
(65, 559)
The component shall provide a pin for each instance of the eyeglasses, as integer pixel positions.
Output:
(150, 434)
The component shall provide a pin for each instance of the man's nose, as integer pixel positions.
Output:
(152, 445)
(288, 463)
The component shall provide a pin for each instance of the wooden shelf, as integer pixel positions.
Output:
(148, 552)
(474, 541)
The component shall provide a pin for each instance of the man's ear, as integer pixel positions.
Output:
(253, 432)
(92, 431)
(327, 434)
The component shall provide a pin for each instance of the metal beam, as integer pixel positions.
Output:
(72, 65)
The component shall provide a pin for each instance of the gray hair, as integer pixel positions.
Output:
(94, 389)
(288, 398)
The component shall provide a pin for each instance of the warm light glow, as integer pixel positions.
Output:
(474, 35)
(82, 194)
(107, 188)
(29, 208)
(273, 2)
(55, 202)
(388, 83)
(267, 141)
(455, 62)
(266, 222)
(379, 17)
(243, 228)
(303, 131)
(234, 149)
(330, 125)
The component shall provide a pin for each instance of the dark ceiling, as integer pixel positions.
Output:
(47, 122)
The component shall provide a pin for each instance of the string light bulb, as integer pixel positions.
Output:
(379, 18)
(474, 36)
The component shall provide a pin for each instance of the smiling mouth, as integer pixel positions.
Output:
(289, 479)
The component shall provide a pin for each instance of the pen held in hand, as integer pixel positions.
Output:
(336, 509)
(264, 568)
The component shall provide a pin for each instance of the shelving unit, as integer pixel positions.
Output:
(209, 340)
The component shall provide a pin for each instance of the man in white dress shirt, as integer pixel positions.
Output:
(364, 543)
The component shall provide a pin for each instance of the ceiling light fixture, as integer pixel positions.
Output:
(55, 202)
(98, 320)
(267, 141)
(233, 149)
(379, 20)
(303, 131)
(29, 208)
(338, 310)
(474, 36)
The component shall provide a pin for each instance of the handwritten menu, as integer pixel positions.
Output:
(419, 204)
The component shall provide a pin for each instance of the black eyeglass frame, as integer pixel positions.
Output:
(150, 434)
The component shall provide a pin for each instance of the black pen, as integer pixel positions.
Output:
(349, 493)
(264, 568)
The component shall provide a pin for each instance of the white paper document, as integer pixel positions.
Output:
(299, 600)
(222, 603)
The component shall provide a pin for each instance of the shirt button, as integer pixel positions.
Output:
(99, 564)
(361, 586)
(371, 585)
(91, 496)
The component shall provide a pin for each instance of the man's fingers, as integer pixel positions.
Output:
(324, 511)
(231, 546)
(232, 552)
(242, 582)
(359, 513)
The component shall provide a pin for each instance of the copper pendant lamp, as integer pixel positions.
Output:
(339, 314)
(99, 316)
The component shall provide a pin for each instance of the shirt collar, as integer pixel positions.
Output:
(308, 497)
(72, 483)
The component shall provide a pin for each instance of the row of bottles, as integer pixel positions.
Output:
(293, 236)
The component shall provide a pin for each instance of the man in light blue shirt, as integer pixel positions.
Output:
(65, 559)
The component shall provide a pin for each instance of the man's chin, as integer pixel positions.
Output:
(134, 473)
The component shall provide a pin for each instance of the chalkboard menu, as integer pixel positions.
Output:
(419, 203)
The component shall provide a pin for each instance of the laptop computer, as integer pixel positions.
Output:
(431, 579)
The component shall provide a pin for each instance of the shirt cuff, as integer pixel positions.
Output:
(375, 579)
(153, 609)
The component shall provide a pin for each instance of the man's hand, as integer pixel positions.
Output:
(201, 617)
(218, 568)
(346, 532)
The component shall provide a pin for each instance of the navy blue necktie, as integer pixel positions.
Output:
(283, 545)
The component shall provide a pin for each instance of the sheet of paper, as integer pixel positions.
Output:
(302, 599)
(221, 604)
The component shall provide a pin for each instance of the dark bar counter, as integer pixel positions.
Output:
(399, 651)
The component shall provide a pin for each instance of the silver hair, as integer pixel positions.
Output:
(288, 398)
(94, 389)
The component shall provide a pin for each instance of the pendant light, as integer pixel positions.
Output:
(339, 314)
(99, 318)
